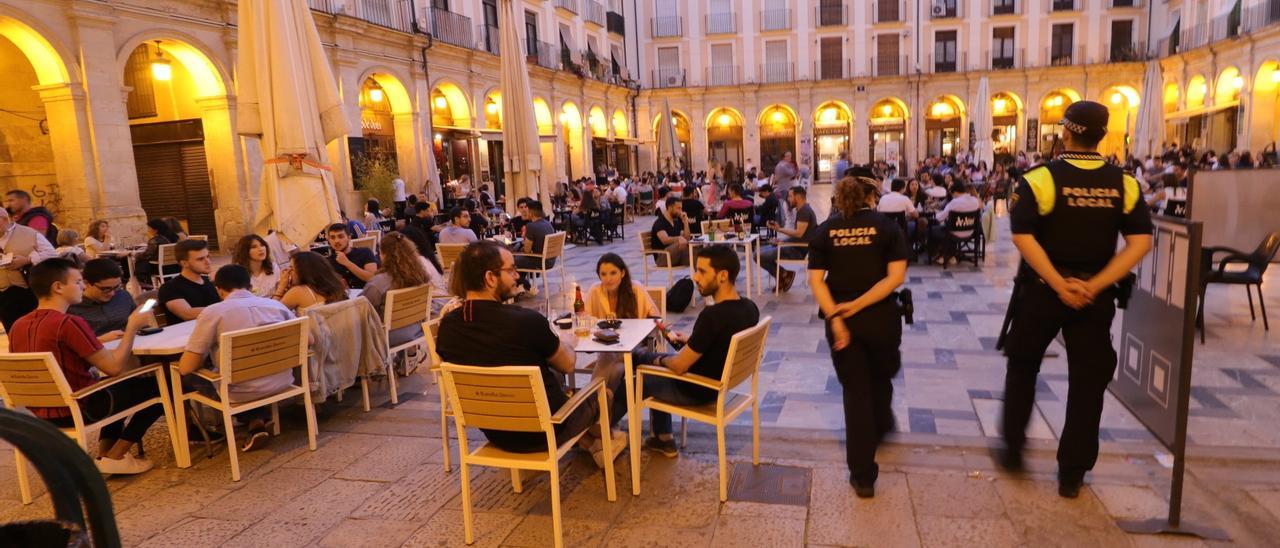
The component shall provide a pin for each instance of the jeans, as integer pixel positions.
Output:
(769, 256)
(667, 391)
(118, 398)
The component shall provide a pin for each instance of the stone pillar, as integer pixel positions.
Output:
(233, 213)
(751, 132)
(347, 73)
(698, 147)
(408, 144)
(860, 144)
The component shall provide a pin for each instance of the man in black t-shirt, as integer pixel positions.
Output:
(706, 349)
(356, 265)
(184, 296)
(671, 233)
(485, 332)
(801, 232)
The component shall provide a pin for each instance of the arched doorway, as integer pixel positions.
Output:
(1005, 109)
(1052, 107)
(724, 141)
(624, 148)
(571, 125)
(831, 135)
(943, 122)
(888, 125)
(178, 122)
(600, 141)
(1224, 114)
(454, 139)
(683, 136)
(777, 136)
(1172, 93)
(26, 146)
(1265, 106)
(376, 126)
(491, 141)
(1122, 102)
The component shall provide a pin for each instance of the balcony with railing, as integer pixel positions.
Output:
(722, 23)
(568, 5)
(890, 65)
(1005, 7)
(1004, 59)
(1062, 57)
(722, 75)
(945, 9)
(616, 23)
(775, 19)
(594, 13)
(487, 39)
(831, 15)
(834, 68)
(1261, 15)
(1126, 52)
(1062, 5)
(776, 72)
(668, 78)
(887, 11)
(449, 27)
(667, 26)
(1124, 4)
(948, 63)
(545, 54)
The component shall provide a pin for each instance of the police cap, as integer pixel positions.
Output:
(1086, 118)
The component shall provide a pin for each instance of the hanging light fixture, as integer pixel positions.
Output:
(375, 95)
(1000, 104)
(440, 102)
(1237, 82)
(887, 110)
(492, 107)
(160, 67)
(1117, 98)
(725, 120)
(830, 116)
(778, 117)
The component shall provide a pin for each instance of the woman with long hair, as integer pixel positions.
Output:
(373, 215)
(616, 294)
(99, 238)
(175, 229)
(253, 253)
(402, 267)
(311, 281)
(158, 234)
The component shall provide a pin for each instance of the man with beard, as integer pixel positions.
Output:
(18, 203)
(485, 332)
(705, 350)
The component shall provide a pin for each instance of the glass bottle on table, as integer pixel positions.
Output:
(579, 312)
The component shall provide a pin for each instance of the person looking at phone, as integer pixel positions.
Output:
(184, 296)
(106, 305)
(800, 232)
(58, 285)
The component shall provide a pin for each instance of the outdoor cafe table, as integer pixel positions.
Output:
(630, 335)
(751, 249)
(171, 341)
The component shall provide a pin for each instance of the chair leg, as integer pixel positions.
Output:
(724, 468)
(466, 504)
(1249, 291)
(606, 442)
(555, 505)
(229, 428)
(181, 450)
(364, 391)
(391, 378)
(516, 484)
(1262, 304)
(1200, 315)
(444, 424)
(755, 430)
(24, 484)
(684, 432)
(310, 409)
(275, 419)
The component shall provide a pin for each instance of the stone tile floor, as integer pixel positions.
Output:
(377, 478)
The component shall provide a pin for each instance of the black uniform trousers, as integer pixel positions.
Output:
(15, 302)
(1091, 362)
(866, 368)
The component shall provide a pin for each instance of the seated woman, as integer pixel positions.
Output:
(402, 267)
(583, 213)
(175, 228)
(99, 238)
(616, 296)
(158, 234)
(253, 253)
(310, 281)
(373, 217)
(69, 248)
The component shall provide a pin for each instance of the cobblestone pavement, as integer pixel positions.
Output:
(377, 478)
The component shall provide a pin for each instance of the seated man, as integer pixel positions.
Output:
(356, 265)
(57, 286)
(671, 233)
(801, 232)
(962, 201)
(185, 295)
(737, 206)
(706, 349)
(768, 212)
(485, 332)
(897, 202)
(106, 305)
(536, 230)
(239, 309)
(693, 208)
(459, 230)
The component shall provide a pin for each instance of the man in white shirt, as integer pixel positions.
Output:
(616, 193)
(398, 196)
(20, 247)
(897, 202)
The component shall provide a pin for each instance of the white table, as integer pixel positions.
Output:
(172, 341)
(630, 335)
(750, 247)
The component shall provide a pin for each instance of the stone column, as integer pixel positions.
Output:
(232, 211)
(347, 73)
(860, 144)
(698, 147)
(408, 144)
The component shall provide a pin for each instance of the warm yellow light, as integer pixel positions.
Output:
(1275, 76)
(778, 117)
(1000, 105)
(160, 70)
(440, 102)
(887, 110)
(1204, 88)
(491, 108)
(829, 115)
(439, 136)
(375, 95)
(564, 117)
(724, 120)
(1116, 98)
(1237, 82)
(941, 110)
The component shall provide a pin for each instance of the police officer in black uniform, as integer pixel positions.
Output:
(1065, 221)
(856, 261)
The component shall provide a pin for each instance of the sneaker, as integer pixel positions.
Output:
(126, 465)
(788, 277)
(666, 447)
(257, 439)
(619, 444)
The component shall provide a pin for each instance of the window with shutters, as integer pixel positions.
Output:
(944, 51)
(723, 71)
(832, 58)
(888, 59)
(888, 11)
(1122, 48)
(531, 33)
(669, 73)
(1002, 48)
(777, 65)
(1061, 42)
(141, 102)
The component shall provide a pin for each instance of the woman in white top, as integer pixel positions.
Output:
(309, 282)
(99, 238)
(373, 216)
(253, 253)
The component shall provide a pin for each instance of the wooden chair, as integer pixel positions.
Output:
(552, 249)
(367, 242)
(958, 246)
(512, 398)
(646, 249)
(246, 355)
(201, 237)
(802, 262)
(166, 264)
(723, 225)
(403, 308)
(35, 379)
(431, 329)
(746, 351)
(449, 254)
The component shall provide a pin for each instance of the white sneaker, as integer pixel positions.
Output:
(124, 466)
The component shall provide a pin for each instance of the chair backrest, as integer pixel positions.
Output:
(962, 221)
(201, 237)
(431, 329)
(646, 241)
(33, 379)
(375, 234)
(407, 306)
(553, 245)
(723, 225)
(449, 254)
(659, 296)
(367, 242)
(746, 351)
(1266, 251)
(899, 217)
(257, 352)
(165, 256)
(509, 398)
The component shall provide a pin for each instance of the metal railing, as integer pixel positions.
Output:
(1261, 15)
(945, 9)
(571, 5)
(595, 13)
(449, 27)
(1060, 58)
(487, 39)
(668, 78)
(1005, 60)
(887, 11)
(775, 19)
(1126, 52)
(944, 65)
(1062, 5)
(722, 23)
(832, 69)
(667, 26)
(392, 14)
(546, 55)
(890, 66)
(722, 75)
(778, 71)
(831, 16)
(1005, 7)
(1124, 3)
(323, 6)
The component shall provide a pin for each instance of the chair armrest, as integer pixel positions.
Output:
(1232, 258)
(534, 255)
(804, 245)
(1215, 249)
(578, 398)
(687, 377)
(111, 381)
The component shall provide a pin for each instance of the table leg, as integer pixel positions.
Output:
(633, 421)
(691, 264)
(759, 286)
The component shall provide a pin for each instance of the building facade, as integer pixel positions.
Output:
(125, 109)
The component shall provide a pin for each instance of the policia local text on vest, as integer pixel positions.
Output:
(1065, 220)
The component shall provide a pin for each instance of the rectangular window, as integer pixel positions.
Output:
(723, 71)
(1002, 47)
(1003, 7)
(1122, 41)
(440, 4)
(531, 33)
(944, 51)
(888, 11)
(888, 60)
(832, 58)
(668, 58)
(777, 65)
(1061, 43)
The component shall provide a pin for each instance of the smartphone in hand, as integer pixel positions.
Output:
(147, 306)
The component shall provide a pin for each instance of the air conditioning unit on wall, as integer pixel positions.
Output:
(939, 8)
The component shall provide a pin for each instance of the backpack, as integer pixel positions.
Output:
(680, 295)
